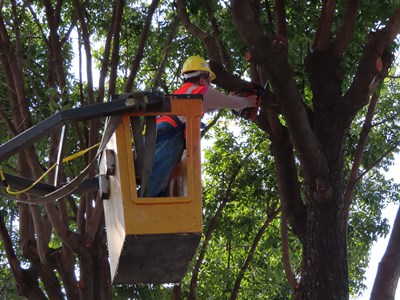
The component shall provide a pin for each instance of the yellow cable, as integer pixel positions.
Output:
(66, 159)
(2, 178)
(11, 192)
(77, 154)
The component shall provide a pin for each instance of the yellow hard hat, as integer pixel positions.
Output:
(197, 63)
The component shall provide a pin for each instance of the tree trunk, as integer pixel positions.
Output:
(324, 267)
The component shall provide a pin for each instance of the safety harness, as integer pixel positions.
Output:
(178, 127)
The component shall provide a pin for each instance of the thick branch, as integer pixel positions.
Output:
(272, 55)
(246, 19)
(345, 32)
(324, 29)
(209, 41)
(374, 64)
(9, 251)
(55, 49)
(216, 33)
(116, 32)
(388, 273)
(289, 188)
(280, 16)
(64, 260)
(190, 27)
(86, 43)
(94, 124)
(67, 237)
(12, 95)
(94, 221)
(41, 240)
(16, 89)
(26, 280)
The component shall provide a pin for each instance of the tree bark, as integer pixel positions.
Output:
(388, 273)
(324, 260)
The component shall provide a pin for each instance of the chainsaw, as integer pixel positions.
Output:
(249, 113)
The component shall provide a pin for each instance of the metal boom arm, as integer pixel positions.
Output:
(145, 101)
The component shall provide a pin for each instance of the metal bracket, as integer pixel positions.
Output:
(104, 186)
(110, 161)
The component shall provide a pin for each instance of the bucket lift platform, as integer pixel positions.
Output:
(153, 240)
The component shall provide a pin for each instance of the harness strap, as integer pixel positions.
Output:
(179, 127)
(173, 120)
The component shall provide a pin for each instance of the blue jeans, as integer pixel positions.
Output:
(167, 154)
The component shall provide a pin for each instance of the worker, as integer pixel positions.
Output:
(197, 77)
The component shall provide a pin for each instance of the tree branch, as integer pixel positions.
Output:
(246, 17)
(38, 24)
(280, 16)
(9, 251)
(41, 240)
(80, 10)
(377, 161)
(211, 124)
(69, 238)
(286, 257)
(94, 124)
(324, 27)
(271, 54)
(345, 32)
(190, 27)
(114, 31)
(226, 197)
(362, 141)
(388, 273)
(8, 122)
(15, 79)
(235, 291)
(55, 50)
(224, 57)
(139, 52)
(107, 50)
(94, 221)
(224, 79)
(158, 77)
(374, 64)
(286, 173)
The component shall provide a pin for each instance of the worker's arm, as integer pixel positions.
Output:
(214, 99)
